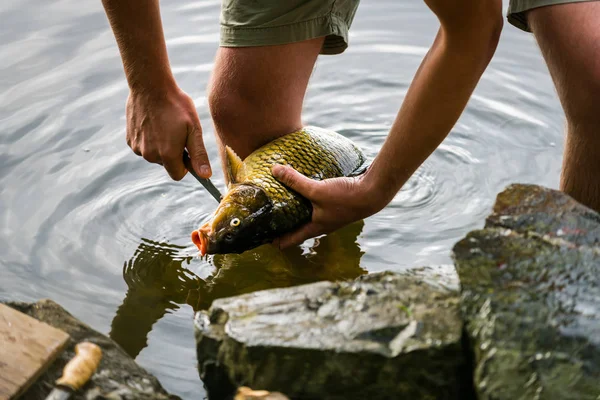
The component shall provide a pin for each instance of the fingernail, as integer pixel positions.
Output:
(277, 170)
(205, 171)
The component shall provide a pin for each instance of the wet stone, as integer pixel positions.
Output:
(118, 377)
(531, 297)
(381, 336)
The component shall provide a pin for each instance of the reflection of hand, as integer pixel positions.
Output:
(336, 202)
(161, 125)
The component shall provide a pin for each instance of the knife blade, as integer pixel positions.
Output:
(208, 185)
(77, 371)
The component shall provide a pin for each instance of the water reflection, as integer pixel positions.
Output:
(158, 280)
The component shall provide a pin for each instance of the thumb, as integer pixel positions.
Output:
(198, 154)
(294, 180)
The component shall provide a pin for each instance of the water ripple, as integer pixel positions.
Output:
(76, 204)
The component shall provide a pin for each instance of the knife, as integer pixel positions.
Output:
(77, 371)
(208, 185)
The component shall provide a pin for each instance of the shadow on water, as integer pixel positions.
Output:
(158, 280)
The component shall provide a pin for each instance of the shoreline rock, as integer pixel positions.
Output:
(381, 336)
(118, 377)
(531, 297)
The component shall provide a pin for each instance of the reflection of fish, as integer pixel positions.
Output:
(159, 281)
(257, 208)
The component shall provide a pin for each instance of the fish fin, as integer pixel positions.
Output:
(234, 166)
(361, 169)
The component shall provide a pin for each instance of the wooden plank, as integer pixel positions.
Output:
(27, 348)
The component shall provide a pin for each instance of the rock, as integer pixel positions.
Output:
(118, 376)
(381, 336)
(531, 297)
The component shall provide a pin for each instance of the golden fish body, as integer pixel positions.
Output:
(257, 208)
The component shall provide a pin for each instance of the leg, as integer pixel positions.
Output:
(256, 93)
(569, 37)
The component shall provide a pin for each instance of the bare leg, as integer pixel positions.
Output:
(569, 37)
(256, 93)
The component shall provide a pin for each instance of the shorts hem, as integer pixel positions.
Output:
(517, 10)
(333, 27)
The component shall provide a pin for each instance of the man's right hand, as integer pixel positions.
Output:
(161, 125)
(161, 119)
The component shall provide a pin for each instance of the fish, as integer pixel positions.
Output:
(257, 208)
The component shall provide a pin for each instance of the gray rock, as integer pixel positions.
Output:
(381, 336)
(531, 297)
(118, 377)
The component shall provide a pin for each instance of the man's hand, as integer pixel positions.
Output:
(336, 202)
(161, 119)
(160, 127)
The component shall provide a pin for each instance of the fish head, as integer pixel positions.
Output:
(241, 222)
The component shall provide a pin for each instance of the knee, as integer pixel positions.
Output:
(226, 107)
(247, 119)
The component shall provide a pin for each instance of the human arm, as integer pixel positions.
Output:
(161, 119)
(465, 43)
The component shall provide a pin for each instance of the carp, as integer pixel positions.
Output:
(257, 208)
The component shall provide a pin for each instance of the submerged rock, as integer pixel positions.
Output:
(118, 377)
(381, 336)
(531, 297)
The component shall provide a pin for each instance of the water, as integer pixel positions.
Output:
(87, 223)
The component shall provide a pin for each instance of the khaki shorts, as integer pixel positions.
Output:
(517, 10)
(246, 23)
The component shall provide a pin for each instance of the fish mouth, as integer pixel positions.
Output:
(200, 238)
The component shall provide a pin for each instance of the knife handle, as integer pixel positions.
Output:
(81, 367)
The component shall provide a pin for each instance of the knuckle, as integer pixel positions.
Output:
(200, 151)
(176, 175)
(135, 148)
(196, 129)
(167, 154)
(151, 156)
(287, 178)
(311, 192)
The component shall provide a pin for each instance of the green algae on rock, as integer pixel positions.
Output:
(530, 297)
(380, 336)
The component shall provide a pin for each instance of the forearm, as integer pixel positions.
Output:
(437, 96)
(138, 30)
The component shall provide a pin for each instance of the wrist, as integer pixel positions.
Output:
(156, 92)
(378, 188)
(157, 83)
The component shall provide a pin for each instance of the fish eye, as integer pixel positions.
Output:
(235, 222)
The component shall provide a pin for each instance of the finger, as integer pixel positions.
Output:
(150, 155)
(295, 180)
(198, 154)
(136, 149)
(297, 237)
(174, 166)
(134, 145)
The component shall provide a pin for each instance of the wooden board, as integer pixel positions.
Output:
(27, 348)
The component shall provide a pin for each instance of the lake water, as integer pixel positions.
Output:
(90, 225)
